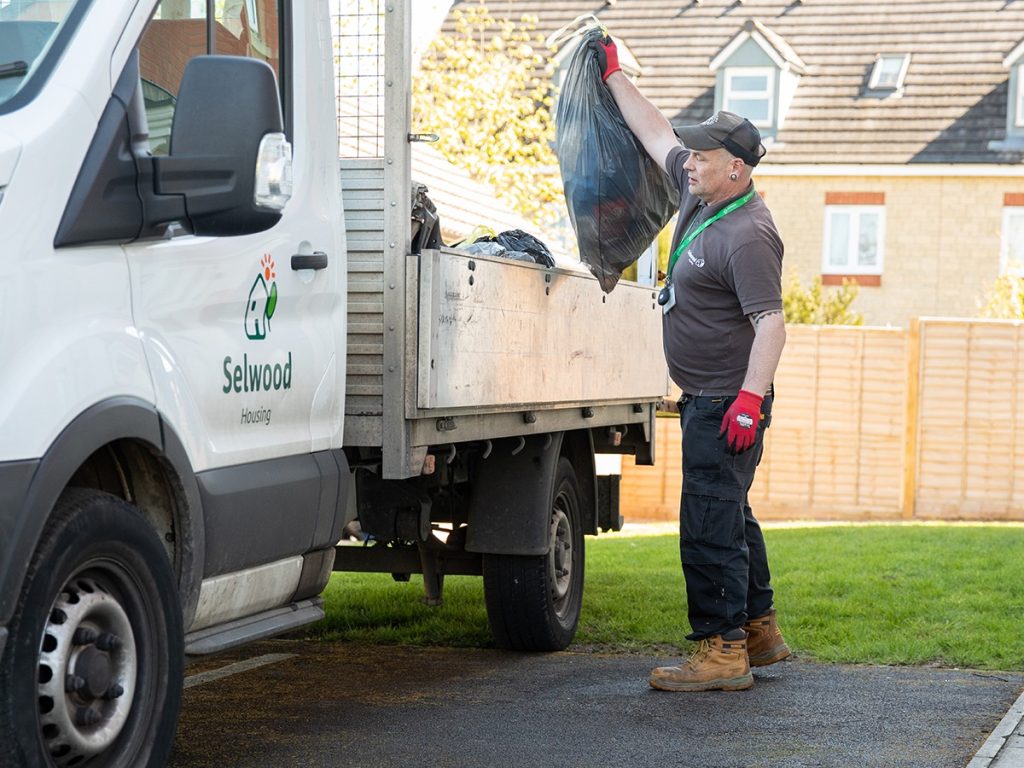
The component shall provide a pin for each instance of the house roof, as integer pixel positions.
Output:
(462, 203)
(952, 105)
(1015, 55)
(774, 45)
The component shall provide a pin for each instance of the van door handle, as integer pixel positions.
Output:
(315, 260)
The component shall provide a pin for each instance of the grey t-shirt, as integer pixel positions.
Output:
(731, 270)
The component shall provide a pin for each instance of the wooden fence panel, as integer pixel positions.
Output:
(879, 423)
(971, 425)
(790, 445)
(836, 442)
(652, 493)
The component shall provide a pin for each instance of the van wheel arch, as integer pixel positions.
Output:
(123, 447)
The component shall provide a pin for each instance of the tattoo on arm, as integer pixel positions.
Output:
(757, 317)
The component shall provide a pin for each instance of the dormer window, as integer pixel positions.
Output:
(1014, 140)
(889, 71)
(749, 91)
(1019, 111)
(756, 75)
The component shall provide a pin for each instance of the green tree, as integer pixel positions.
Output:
(818, 305)
(1005, 299)
(479, 89)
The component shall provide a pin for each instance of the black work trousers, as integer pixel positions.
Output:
(721, 546)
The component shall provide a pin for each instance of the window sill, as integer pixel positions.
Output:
(867, 281)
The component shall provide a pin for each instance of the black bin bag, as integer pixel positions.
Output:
(618, 198)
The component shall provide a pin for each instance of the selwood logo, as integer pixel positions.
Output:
(258, 376)
(262, 301)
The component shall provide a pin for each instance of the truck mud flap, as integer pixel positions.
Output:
(510, 504)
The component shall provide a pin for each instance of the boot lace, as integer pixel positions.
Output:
(700, 653)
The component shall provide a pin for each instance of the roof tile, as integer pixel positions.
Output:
(954, 98)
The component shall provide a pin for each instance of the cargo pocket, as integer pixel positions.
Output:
(710, 527)
(707, 468)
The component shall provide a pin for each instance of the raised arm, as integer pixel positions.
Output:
(644, 119)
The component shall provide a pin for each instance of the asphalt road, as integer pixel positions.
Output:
(343, 705)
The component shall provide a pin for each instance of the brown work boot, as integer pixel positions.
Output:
(765, 644)
(716, 665)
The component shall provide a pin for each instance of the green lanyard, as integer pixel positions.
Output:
(689, 237)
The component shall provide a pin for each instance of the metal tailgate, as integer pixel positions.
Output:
(496, 333)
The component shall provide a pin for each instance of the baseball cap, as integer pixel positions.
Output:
(725, 130)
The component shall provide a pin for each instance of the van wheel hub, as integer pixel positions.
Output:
(87, 671)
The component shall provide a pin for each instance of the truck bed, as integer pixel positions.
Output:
(489, 347)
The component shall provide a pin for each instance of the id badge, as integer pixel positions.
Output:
(670, 300)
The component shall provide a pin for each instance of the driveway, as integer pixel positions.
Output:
(288, 703)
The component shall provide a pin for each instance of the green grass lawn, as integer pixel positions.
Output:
(951, 595)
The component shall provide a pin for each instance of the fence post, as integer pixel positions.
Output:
(908, 494)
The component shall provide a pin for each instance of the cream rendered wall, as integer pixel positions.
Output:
(942, 238)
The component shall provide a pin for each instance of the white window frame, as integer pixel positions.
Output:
(253, 15)
(768, 73)
(855, 212)
(1013, 216)
(876, 72)
(1018, 118)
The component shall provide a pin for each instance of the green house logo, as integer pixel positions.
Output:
(262, 300)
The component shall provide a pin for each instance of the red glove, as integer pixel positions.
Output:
(607, 56)
(741, 421)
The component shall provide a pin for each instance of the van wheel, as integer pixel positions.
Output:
(533, 602)
(92, 674)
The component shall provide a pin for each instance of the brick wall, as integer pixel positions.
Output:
(169, 43)
(942, 238)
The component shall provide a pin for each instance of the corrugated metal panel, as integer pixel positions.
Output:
(362, 185)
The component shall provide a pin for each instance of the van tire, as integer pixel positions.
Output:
(100, 601)
(533, 602)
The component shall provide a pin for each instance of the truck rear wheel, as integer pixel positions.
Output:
(533, 602)
(93, 669)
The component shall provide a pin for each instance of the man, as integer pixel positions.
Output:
(723, 336)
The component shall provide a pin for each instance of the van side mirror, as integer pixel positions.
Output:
(228, 157)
